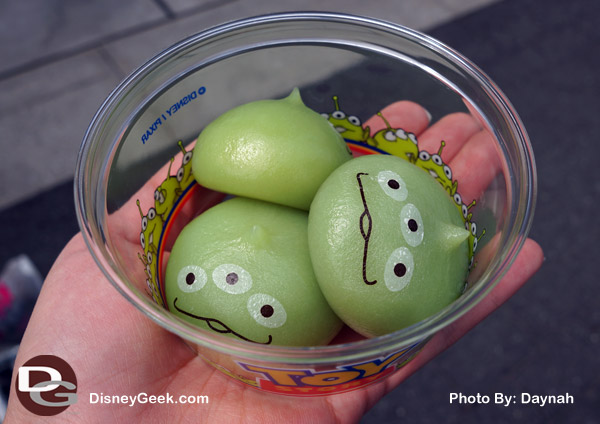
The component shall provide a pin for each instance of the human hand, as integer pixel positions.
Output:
(114, 349)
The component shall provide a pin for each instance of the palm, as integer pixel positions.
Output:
(115, 350)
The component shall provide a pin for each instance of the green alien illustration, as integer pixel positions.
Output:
(152, 226)
(473, 240)
(349, 126)
(395, 141)
(242, 269)
(151, 283)
(167, 194)
(184, 173)
(437, 168)
(462, 207)
(387, 243)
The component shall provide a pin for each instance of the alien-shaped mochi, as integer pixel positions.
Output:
(388, 245)
(273, 150)
(242, 269)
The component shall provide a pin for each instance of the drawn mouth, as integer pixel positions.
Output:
(218, 326)
(365, 224)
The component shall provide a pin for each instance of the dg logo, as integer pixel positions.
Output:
(46, 385)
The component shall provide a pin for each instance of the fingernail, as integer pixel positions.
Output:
(428, 115)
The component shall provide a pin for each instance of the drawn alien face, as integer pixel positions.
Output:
(242, 269)
(437, 168)
(388, 245)
(232, 279)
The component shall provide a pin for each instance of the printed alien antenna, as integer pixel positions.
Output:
(466, 213)
(139, 208)
(481, 235)
(335, 102)
(442, 144)
(180, 144)
(387, 124)
(170, 164)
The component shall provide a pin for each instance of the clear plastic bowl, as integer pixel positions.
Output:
(367, 64)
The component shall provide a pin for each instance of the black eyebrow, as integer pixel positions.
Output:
(366, 235)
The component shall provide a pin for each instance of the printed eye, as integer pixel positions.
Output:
(232, 279)
(400, 133)
(354, 120)
(398, 269)
(187, 157)
(151, 214)
(180, 174)
(412, 225)
(325, 115)
(437, 160)
(144, 223)
(458, 199)
(393, 185)
(149, 257)
(412, 138)
(156, 195)
(143, 240)
(465, 211)
(390, 136)
(338, 114)
(448, 172)
(473, 229)
(474, 244)
(191, 278)
(424, 156)
(266, 310)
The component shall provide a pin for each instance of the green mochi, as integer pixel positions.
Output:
(387, 243)
(274, 150)
(242, 268)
